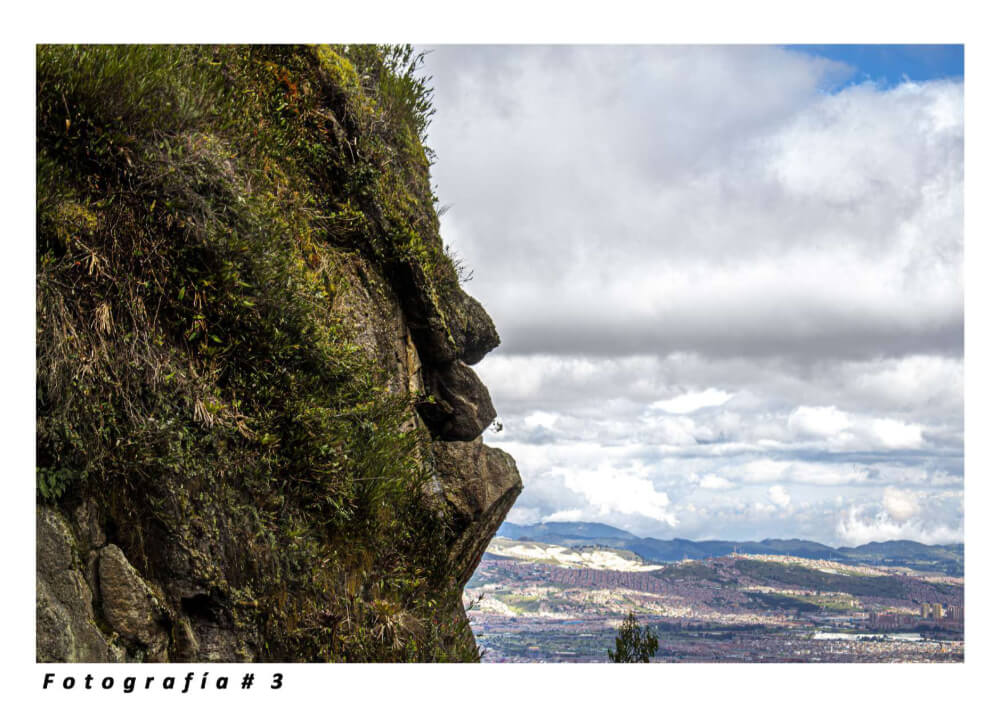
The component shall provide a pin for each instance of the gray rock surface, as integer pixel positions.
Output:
(66, 628)
(130, 606)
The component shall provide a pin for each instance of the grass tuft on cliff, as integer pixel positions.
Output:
(193, 371)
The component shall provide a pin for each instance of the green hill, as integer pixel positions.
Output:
(945, 558)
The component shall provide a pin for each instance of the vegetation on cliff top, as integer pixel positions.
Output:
(193, 370)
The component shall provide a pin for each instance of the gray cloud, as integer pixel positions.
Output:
(650, 200)
(651, 227)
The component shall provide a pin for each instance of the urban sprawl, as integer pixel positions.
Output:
(531, 604)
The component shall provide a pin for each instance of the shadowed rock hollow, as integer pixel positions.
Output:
(258, 428)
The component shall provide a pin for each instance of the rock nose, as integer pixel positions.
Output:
(458, 407)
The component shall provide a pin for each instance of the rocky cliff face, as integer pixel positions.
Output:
(258, 427)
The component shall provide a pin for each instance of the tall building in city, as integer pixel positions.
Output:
(937, 611)
(925, 610)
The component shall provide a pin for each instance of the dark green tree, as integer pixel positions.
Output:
(634, 644)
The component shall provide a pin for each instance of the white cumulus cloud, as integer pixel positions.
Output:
(692, 401)
(714, 482)
(621, 490)
(779, 496)
(900, 504)
(855, 529)
(818, 421)
(897, 435)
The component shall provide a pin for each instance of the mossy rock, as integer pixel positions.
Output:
(242, 296)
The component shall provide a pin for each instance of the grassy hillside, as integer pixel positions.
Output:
(876, 586)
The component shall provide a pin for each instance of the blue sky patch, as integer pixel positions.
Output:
(891, 64)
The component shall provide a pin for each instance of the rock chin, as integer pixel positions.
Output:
(478, 485)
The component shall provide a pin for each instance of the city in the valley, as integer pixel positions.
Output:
(558, 592)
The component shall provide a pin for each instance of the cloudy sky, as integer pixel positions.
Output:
(728, 282)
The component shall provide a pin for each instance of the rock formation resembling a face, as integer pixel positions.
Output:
(258, 328)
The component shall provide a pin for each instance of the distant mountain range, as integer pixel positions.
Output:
(947, 558)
